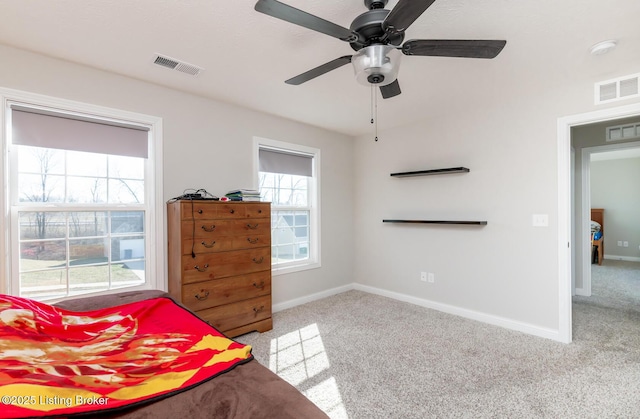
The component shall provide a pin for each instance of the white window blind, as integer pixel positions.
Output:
(285, 162)
(33, 127)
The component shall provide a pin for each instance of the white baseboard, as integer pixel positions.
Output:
(627, 258)
(458, 311)
(469, 314)
(582, 292)
(311, 297)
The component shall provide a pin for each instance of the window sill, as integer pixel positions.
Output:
(283, 270)
(130, 289)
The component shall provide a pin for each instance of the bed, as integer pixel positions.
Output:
(597, 240)
(245, 390)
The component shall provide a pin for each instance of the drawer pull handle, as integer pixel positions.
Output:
(252, 241)
(232, 211)
(258, 260)
(252, 226)
(204, 296)
(208, 246)
(259, 211)
(200, 211)
(259, 286)
(258, 310)
(199, 269)
(209, 229)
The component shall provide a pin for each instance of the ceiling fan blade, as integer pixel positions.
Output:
(320, 70)
(453, 48)
(404, 14)
(298, 17)
(390, 90)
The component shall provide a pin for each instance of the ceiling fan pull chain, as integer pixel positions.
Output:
(371, 103)
(375, 100)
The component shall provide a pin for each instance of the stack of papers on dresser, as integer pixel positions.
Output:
(243, 195)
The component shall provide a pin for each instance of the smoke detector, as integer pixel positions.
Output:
(603, 47)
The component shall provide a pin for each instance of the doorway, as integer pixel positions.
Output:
(565, 214)
(583, 246)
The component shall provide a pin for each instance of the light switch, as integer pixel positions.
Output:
(541, 220)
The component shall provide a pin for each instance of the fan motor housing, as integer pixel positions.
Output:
(369, 26)
(375, 4)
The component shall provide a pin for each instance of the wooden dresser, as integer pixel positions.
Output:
(220, 262)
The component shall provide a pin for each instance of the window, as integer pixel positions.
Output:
(82, 210)
(288, 177)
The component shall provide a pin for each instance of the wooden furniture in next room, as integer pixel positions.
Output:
(597, 215)
(220, 262)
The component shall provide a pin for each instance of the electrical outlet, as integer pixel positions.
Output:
(540, 220)
(619, 243)
(625, 244)
(432, 277)
(423, 276)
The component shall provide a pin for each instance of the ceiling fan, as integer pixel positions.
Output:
(376, 36)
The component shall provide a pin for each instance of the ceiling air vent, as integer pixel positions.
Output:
(629, 87)
(623, 132)
(177, 65)
(625, 87)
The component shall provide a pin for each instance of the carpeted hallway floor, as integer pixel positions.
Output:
(358, 355)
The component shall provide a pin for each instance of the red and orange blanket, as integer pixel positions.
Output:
(55, 362)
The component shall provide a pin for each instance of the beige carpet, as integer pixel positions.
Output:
(358, 355)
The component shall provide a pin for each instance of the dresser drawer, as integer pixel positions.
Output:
(206, 228)
(216, 210)
(219, 265)
(231, 316)
(223, 244)
(215, 292)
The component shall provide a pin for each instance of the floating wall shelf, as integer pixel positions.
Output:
(476, 223)
(432, 172)
(435, 172)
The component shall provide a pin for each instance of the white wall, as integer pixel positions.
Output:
(507, 270)
(208, 144)
(614, 187)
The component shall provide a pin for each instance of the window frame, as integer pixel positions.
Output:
(315, 243)
(154, 225)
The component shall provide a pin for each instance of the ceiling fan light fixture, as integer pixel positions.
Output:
(376, 64)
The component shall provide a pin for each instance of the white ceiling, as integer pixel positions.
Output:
(248, 55)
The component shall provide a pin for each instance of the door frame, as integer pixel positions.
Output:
(565, 198)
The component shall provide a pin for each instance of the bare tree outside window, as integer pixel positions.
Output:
(85, 240)
(41, 187)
